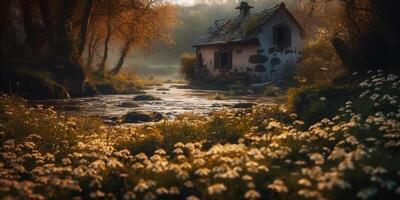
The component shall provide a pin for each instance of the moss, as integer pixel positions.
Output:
(250, 25)
(270, 90)
(125, 82)
(31, 84)
(314, 103)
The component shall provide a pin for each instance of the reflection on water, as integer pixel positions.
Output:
(173, 101)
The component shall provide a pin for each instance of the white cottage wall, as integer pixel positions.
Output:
(240, 56)
(288, 60)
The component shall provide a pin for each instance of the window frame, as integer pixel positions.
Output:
(218, 60)
(279, 31)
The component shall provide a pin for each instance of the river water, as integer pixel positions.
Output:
(173, 101)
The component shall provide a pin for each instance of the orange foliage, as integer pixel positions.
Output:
(147, 23)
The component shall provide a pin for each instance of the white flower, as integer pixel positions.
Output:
(310, 194)
(216, 188)
(186, 166)
(162, 191)
(252, 194)
(298, 123)
(114, 163)
(149, 196)
(138, 165)
(98, 165)
(367, 193)
(179, 145)
(202, 172)
(192, 197)
(174, 190)
(97, 195)
(188, 184)
(279, 186)
(141, 156)
(66, 161)
(160, 152)
(317, 158)
(129, 195)
(337, 153)
(247, 178)
(304, 182)
(143, 185)
(178, 151)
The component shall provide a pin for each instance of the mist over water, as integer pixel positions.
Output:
(194, 21)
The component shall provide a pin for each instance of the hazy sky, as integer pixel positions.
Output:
(184, 2)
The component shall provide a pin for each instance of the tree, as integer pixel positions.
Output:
(111, 11)
(369, 39)
(144, 24)
(84, 26)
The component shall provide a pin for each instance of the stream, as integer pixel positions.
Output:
(173, 101)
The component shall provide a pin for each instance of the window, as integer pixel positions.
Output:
(282, 36)
(200, 59)
(223, 59)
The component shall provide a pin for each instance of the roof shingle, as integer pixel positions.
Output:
(234, 29)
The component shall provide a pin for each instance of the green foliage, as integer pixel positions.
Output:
(320, 63)
(313, 103)
(56, 131)
(188, 65)
(125, 82)
(31, 84)
(270, 90)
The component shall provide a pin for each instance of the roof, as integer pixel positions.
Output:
(236, 30)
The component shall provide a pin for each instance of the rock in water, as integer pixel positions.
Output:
(138, 117)
(244, 105)
(162, 89)
(146, 97)
(128, 105)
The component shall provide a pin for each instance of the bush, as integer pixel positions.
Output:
(270, 90)
(125, 82)
(31, 84)
(320, 62)
(313, 103)
(188, 64)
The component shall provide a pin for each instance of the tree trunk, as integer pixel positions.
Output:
(84, 26)
(28, 24)
(342, 51)
(121, 59)
(92, 46)
(69, 71)
(65, 46)
(103, 62)
(4, 24)
(47, 21)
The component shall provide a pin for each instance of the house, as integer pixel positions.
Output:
(254, 47)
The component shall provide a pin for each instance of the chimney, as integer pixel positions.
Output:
(244, 10)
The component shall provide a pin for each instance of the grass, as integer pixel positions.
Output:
(263, 152)
(20, 81)
(125, 82)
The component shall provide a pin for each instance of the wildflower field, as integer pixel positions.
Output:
(265, 152)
